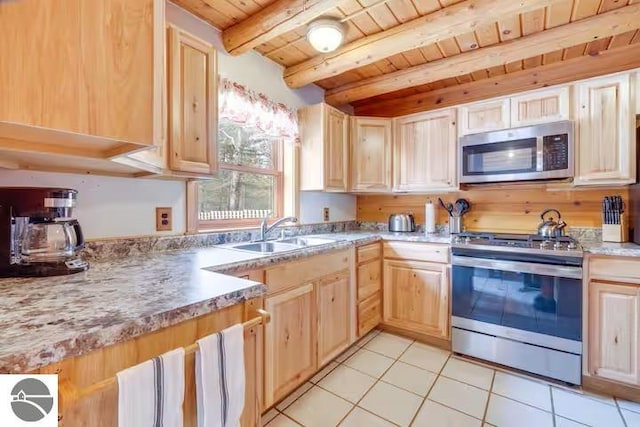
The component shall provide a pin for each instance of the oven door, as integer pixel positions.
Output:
(539, 304)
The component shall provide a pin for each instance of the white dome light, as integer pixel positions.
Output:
(325, 35)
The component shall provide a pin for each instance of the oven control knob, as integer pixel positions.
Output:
(572, 245)
(544, 244)
(456, 239)
(557, 245)
(467, 240)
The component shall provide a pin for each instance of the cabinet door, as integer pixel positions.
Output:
(605, 135)
(370, 154)
(336, 160)
(614, 323)
(425, 152)
(333, 316)
(290, 341)
(541, 106)
(192, 104)
(416, 297)
(484, 116)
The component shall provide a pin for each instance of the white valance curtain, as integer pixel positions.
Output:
(244, 106)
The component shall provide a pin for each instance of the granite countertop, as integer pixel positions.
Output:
(45, 320)
(613, 249)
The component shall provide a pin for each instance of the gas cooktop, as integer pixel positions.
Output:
(529, 243)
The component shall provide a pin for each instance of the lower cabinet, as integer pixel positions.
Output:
(290, 341)
(333, 316)
(416, 297)
(614, 331)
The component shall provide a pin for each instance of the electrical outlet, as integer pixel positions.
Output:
(325, 214)
(164, 219)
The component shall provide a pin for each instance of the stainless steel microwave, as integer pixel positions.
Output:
(544, 151)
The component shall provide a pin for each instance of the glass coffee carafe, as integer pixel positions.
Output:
(50, 240)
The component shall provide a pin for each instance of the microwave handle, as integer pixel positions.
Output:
(539, 154)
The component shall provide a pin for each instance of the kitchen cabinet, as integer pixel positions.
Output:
(605, 132)
(324, 154)
(416, 289)
(369, 287)
(484, 116)
(334, 327)
(541, 106)
(290, 341)
(99, 408)
(370, 140)
(85, 79)
(425, 152)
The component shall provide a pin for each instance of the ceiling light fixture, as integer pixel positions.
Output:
(325, 34)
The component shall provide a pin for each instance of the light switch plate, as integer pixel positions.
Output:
(164, 219)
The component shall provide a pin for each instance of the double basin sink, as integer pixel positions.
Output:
(284, 245)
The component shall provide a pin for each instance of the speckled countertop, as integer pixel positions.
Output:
(613, 249)
(45, 320)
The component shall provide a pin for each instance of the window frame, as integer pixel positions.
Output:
(277, 172)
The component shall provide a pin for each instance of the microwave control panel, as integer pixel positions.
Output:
(555, 152)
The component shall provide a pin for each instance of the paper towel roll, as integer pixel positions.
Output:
(429, 217)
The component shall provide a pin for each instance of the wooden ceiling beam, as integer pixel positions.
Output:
(274, 20)
(443, 24)
(586, 30)
(584, 67)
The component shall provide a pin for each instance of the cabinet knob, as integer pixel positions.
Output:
(333, 299)
(197, 139)
(194, 104)
(615, 340)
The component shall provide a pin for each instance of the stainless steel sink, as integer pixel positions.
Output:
(307, 241)
(266, 247)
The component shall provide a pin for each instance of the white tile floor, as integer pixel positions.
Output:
(386, 380)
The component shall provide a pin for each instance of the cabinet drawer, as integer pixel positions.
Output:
(430, 252)
(369, 252)
(369, 278)
(612, 268)
(369, 314)
(295, 273)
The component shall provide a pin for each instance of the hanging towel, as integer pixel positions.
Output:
(151, 394)
(220, 378)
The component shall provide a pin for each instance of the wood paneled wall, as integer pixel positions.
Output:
(507, 209)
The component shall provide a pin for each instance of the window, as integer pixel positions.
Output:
(249, 183)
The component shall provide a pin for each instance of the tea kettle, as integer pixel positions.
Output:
(549, 227)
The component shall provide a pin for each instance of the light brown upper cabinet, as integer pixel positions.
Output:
(605, 133)
(370, 154)
(484, 116)
(541, 106)
(81, 78)
(324, 156)
(425, 152)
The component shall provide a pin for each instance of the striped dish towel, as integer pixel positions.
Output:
(220, 378)
(151, 394)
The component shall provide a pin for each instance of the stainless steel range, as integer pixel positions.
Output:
(517, 301)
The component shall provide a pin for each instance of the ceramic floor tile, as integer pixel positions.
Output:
(347, 353)
(370, 363)
(318, 408)
(425, 357)
(269, 415)
(526, 391)
(347, 383)
(632, 418)
(564, 422)
(282, 421)
(436, 415)
(629, 406)
(469, 373)
(361, 418)
(463, 397)
(388, 345)
(364, 340)
(410, 378)
(293, 396)
(585, 410)
(323, 372)
(391, 403)
(502, 412)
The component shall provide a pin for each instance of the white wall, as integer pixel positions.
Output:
(111, 207)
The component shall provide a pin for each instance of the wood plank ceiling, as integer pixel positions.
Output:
(367, 17)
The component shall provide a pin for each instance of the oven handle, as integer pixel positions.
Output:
(519, 267)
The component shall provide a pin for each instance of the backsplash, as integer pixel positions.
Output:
(119, 248)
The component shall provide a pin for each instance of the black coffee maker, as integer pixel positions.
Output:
(38, 237)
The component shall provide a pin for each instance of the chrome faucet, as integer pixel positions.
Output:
(264, 230)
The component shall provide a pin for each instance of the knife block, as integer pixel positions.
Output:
(618, 233)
